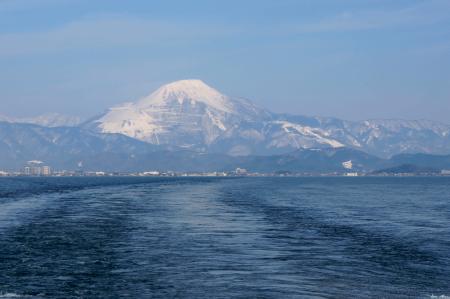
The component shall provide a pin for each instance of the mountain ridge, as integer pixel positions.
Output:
(46, 120)
(66, 148)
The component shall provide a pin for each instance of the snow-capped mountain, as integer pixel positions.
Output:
(185, 113)
(47, 120)
(191, 114)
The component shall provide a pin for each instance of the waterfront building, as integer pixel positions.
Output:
(46, 170)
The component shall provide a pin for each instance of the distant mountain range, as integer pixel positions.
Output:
(187, 125)
(190, 114)
(74, 148)
(47, 120)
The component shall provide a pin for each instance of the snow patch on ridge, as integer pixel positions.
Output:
(216, 121)
(319, 135)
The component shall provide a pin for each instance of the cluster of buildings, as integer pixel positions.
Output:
(36, 168)
(31, 168)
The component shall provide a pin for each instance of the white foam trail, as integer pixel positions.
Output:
(16, 212)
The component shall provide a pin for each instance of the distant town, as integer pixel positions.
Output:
(35, 168)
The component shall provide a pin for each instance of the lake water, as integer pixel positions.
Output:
(224, 237)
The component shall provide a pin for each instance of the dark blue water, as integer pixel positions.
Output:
(225, 238)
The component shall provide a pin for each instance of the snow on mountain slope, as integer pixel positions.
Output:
(185, 113)
(299, 133)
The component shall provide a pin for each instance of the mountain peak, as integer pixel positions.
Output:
(192, 90)
(187, 84)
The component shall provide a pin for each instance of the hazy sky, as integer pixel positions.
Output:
(353, 59)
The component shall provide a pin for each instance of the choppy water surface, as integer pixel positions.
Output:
(224, 238)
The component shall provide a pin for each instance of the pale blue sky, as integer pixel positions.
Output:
(353, 59)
